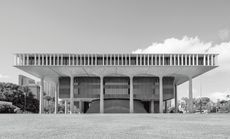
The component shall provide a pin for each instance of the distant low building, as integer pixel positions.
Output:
(30, 83)
(35, 87)
(24, 81)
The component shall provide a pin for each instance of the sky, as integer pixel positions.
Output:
(119, 26)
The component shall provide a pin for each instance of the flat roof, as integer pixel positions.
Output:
(117, 53)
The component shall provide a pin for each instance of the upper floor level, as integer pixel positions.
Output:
(28, 59)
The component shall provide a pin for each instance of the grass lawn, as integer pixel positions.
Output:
(115, 126)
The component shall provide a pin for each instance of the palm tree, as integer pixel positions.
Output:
(27, 92)
(228, 96)
(48, 98)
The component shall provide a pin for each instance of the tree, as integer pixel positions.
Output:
(223, 105)
(203, 103)
(48, 98)
(228, 96)
(20, 96)
(185, 103)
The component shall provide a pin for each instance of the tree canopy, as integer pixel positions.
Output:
(21, 97)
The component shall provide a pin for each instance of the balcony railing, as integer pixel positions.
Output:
(115, 60)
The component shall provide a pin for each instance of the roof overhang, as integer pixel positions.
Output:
(181, 73)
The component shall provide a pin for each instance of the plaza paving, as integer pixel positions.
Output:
(115, 126)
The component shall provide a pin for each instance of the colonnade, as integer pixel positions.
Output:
(131, 104)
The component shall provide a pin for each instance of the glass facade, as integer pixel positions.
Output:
(64, 87)
(144, 88)
(86, 87)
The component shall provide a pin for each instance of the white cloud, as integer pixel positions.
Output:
(219, 95)
(3, 76)
(195, 45)
(224, 34)
(191, 45)
(223, 49)
(174, 45)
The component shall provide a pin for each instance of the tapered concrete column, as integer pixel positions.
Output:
(155, 60)
(62, 60)
(190, 96)
(35, 59)
(103, 60)
(204, 61)
(27, 60)
(54, 57)
(170, 59)
(197, 63)
(166, 106)
(38, 61)
(71, 95)
(152, 106)
(186, 60)
(151, 59)
(50, 62)
(66, 107)
(43, 60)
(159, 59)
(41, 104)
(46, 60)
(208, 58)
(56, 98)
(23, 59)
(58, 56)
(212, 60)
(175, 96)
(160, 95)
(174, 60)
(182, 60)
(81, 106)
(101, 94)
(178, 60)
(20, 60)
(147, 60)
(131, 107)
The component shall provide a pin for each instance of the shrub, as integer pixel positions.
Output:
(7, 108)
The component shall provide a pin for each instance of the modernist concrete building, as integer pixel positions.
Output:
(108, 83)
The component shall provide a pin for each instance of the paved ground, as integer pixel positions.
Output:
(115, 126)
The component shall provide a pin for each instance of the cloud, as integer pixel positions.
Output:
(3, 76)
(224, 34)
(223, 49)
(174, 45)
(191, 45)
(219, 95)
